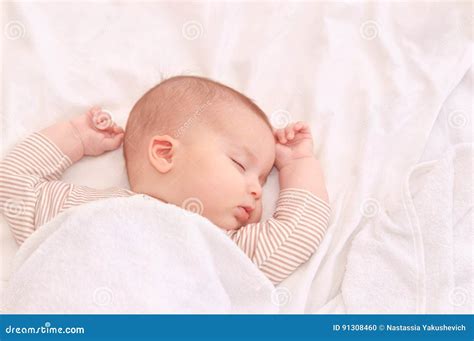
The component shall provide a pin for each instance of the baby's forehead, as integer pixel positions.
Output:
(253, 138)
(245, 129)
(236, 115)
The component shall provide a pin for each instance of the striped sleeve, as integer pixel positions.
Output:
(281, 244)
(31, 167)
(31, 193)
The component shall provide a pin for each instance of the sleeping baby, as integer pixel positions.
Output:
(188, 139)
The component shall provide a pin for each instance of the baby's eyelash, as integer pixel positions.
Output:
(238, 163)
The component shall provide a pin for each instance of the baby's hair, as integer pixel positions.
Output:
(171, 107)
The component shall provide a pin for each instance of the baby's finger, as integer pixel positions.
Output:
(298, 125)
(290, 133)
(93, 111)
(113, 128)
(302, 127)
(96, 109)
(103, 121)
(117, 129)
(112, 143)
(280, 134)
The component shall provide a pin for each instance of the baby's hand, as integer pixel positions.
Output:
(97, 132)
(292, 143)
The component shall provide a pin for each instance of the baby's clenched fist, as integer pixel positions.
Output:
(292, 142)
(97, 132)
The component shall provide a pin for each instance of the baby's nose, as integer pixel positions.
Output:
(256, 192)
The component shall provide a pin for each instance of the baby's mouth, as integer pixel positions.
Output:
(243, 213)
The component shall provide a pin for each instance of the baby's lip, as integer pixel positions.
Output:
(243, 213)
(247, 209)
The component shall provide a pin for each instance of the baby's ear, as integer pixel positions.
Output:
(161, 152)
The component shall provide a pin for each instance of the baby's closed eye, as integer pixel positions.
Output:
(240, 165)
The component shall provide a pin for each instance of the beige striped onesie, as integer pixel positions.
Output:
(31, 194)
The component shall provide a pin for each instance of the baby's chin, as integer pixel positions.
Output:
(228, 224)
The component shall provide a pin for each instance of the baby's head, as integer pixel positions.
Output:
(191, 141)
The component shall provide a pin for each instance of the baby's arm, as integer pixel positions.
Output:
(90, 134)
(281, 244)
(30, 190)
(297, 165)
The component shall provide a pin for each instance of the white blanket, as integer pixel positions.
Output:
(135, 255)
(372, 79)
(416, 256)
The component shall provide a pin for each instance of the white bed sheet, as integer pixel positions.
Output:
(372, 80)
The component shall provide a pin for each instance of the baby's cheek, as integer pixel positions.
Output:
(257, 213)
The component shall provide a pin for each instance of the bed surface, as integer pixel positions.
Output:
(383, 86)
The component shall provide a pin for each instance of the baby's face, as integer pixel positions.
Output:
(224, 169)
